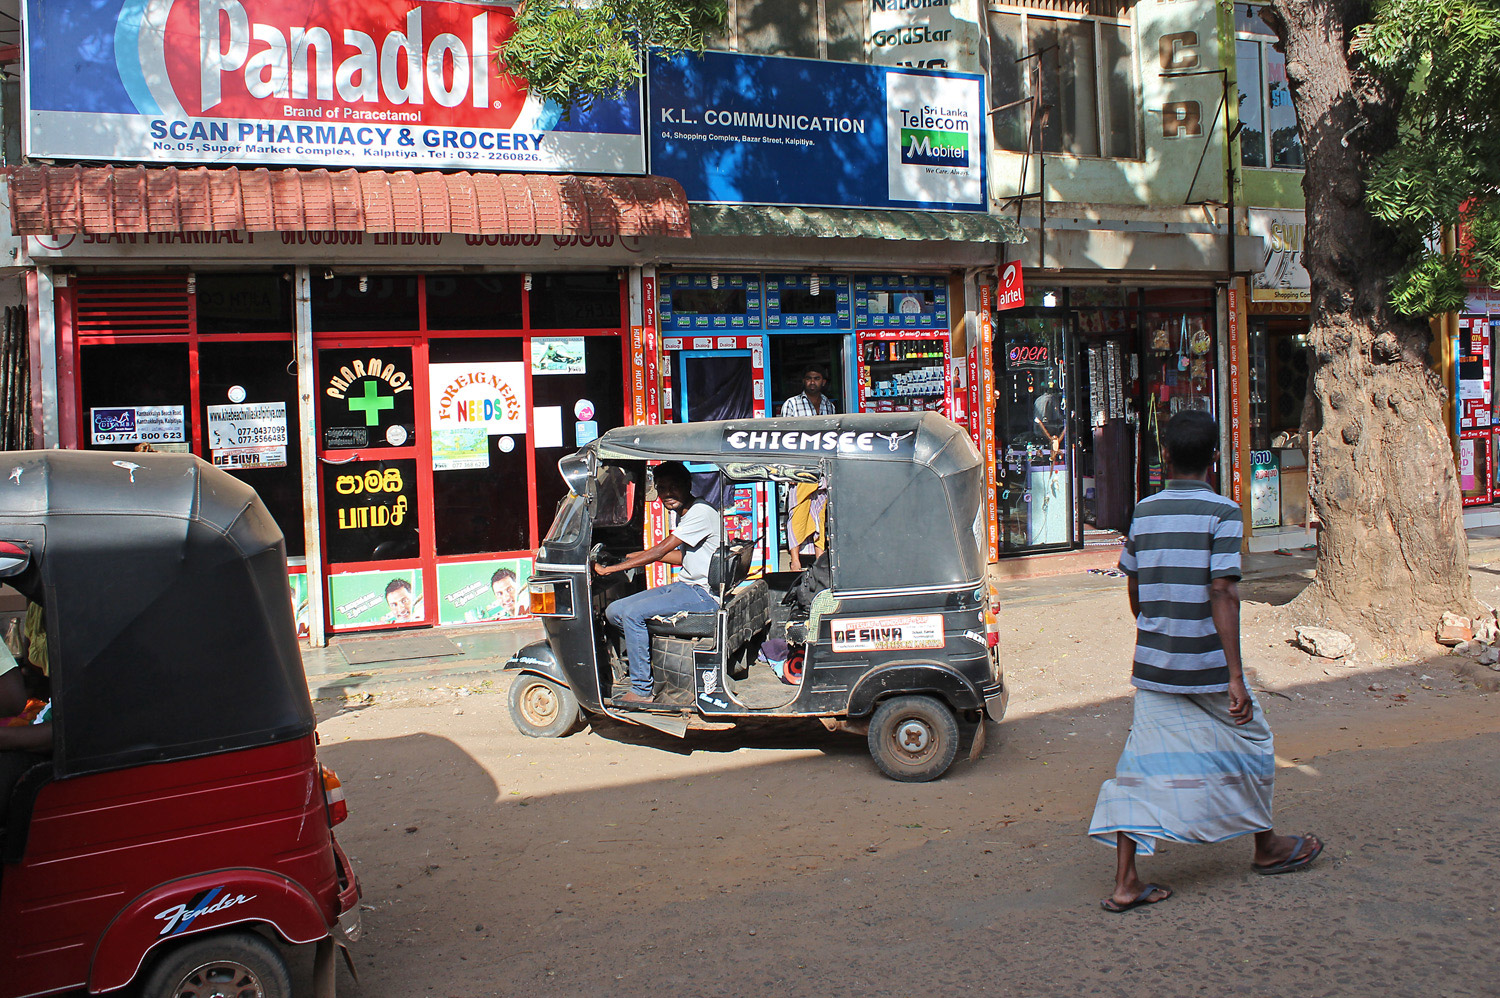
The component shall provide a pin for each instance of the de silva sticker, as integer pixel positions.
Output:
(888, 633)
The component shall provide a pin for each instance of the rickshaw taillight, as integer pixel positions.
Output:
(543, 599)
(991, 622)
(333, 793)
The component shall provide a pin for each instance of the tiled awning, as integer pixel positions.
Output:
(852, 223)
(56, 200)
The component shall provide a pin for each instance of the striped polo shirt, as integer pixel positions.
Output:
(1181, 539)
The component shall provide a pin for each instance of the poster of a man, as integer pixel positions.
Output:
(404, 606)
(505, 588)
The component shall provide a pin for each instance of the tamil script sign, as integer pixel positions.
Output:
(377, 83)
(741, 129)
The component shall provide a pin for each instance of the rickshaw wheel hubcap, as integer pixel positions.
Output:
(539, 705)
(221, 980)
(913, 737)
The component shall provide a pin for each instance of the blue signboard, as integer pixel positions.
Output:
(740, 129)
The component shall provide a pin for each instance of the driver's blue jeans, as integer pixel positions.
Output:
(629, 614)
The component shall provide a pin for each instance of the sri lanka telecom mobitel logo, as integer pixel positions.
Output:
(935, 136)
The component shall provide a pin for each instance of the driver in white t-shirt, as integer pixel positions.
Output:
(691, 544)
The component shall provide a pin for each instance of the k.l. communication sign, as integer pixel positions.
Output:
(743, 129)
(411, 84)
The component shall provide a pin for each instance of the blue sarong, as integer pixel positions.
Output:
(1188, 773)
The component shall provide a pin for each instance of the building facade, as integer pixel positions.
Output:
(391, 290)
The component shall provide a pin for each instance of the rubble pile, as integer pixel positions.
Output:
(1477, 638)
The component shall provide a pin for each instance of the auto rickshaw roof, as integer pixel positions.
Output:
(922, 439)
(906, 489)
(169, 619)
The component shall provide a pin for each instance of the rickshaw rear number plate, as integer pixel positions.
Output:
(888, 633)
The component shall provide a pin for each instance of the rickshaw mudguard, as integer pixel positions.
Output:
(538, 657)
(913, 678)
(206, 902)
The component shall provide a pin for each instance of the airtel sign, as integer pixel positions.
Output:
(1012, 293)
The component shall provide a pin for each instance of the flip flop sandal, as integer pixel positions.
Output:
(1111, 905)
(1294, 861)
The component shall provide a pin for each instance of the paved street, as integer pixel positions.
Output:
(778, 861)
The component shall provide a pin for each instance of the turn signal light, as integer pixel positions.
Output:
(543, 599)
(333, 793)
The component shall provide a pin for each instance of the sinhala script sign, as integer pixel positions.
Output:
(373, 83)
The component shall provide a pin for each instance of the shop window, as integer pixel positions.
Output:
(575, 301)
(248, 390)
(366, 398)
(481, 474)
(135, 394)
(489, 301)
(1084, 68)
(1270, 136)
(244, 303)
(386, 302)
(580, 400)
(370, 512)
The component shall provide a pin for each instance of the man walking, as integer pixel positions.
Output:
(1199, 764)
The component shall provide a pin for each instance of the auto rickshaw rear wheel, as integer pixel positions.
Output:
(241, 964)
(543, 708)
(913, 739)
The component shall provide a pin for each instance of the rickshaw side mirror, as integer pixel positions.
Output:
(14, 558)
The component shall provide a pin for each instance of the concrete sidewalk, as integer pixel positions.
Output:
(469, 656)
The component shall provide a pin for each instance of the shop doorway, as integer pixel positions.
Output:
(792, 353)
(1034, 449)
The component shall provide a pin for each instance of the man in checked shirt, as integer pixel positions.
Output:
(807, 504)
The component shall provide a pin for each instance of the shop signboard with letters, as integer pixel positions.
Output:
(924, 34)
(1282, 277)
(410, 84)
(741, 129)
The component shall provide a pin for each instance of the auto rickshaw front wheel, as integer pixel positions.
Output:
(913, 739)
(233, 963)
(543, 708)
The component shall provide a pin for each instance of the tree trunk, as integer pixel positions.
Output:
(1392, 553)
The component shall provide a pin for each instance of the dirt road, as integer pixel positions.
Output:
(623, 862)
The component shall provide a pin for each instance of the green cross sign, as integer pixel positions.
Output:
(371, 403)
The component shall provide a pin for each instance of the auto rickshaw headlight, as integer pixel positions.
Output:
(333, 793)
(543, 599)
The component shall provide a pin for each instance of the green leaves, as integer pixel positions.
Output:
(570, 52)
(1445, 55)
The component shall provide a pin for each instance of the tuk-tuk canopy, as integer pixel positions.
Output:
(906, 489)
(170, 632)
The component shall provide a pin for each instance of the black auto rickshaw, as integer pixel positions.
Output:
(900, 643)
(181, 827)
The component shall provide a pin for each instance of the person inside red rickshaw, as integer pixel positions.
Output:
(25, 723)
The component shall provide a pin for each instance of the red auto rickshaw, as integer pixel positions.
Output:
(182, 826)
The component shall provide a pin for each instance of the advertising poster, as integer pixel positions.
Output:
(1265, 488)
(405, 84)
(463, 449)
(485, 397)
(557, 355)
(138, 424)
(474, 591)
(297, 582)
(1282, 277)
(740, 129)
(360, 599)
(249, 435)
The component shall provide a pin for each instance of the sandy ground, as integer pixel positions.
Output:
(779, 861)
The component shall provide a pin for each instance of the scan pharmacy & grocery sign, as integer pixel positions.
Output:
(347, 83)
